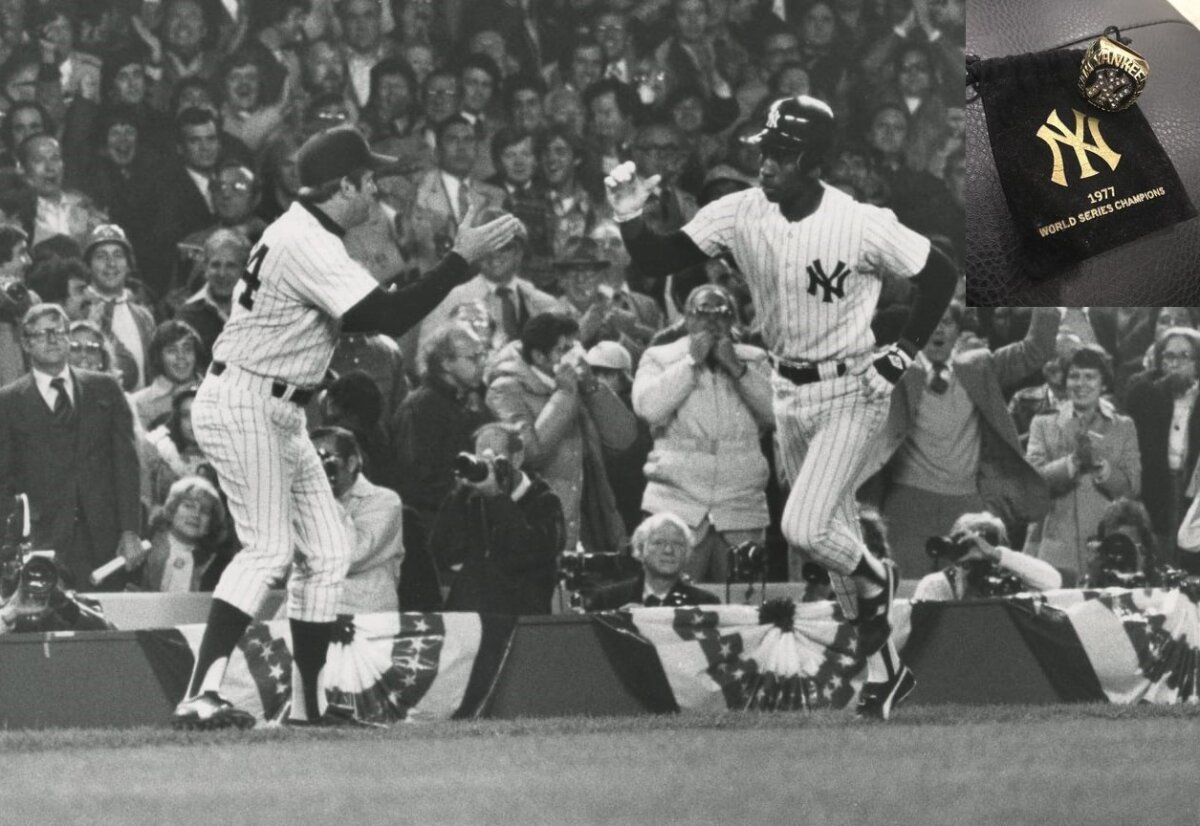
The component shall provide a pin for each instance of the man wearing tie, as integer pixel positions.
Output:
(951, 446)
(66, 440)
(510, 299)
(445, 194)
(662, 543)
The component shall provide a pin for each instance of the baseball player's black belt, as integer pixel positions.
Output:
(279, 389)
(806, 373)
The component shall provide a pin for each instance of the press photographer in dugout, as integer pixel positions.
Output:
(32, 596)
(978, 564)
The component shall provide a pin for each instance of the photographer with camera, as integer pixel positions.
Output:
(32, 599)
(498, 534)
(980, 564)
(707, 400)
(662, 544)
(1124, 553)
(1088, 455)
(373, 522)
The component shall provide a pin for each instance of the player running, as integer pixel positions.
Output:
(814, 258)
(300, 291)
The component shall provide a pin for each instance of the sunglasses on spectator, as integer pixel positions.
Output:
(86, 347)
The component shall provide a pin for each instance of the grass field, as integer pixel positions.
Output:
(931, 765)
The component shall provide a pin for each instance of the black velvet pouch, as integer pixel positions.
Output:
(1078, 180)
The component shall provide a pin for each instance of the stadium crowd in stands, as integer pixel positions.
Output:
(145, 146)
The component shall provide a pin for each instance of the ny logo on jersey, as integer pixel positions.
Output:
(833, 283)
(1055, 132)
(773, 115)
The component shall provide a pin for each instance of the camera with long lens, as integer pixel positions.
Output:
(948, 548)
(33, 575)
(1117, 564)
(580, 573)
(476, 469)
(748, 564)
(987, 579)
(14, 301)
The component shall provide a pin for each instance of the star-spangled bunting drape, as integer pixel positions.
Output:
(1141, 645)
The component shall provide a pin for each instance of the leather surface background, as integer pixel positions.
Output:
(1159, 269)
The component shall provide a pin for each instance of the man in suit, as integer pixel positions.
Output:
(662, 543)
(510, 299)
(951, 446)
(187, 194)
(66, 440)
(365, 45)
(444, 195)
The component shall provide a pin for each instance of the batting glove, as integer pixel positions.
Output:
(881, 375)
(627, 193)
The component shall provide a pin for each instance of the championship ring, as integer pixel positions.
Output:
(1112, 75)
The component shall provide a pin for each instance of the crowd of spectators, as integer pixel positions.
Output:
(146, 145)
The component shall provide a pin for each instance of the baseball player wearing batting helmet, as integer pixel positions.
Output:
(814, 259)
(299, 292)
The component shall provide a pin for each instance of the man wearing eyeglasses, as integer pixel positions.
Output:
(236, 193)
(707, 400)
(66, 440)
(662, 544)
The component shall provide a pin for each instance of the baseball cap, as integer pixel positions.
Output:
(334, 153)
(796, 123)
(610, 355)
(107, 234)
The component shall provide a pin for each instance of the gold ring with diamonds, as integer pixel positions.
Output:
(1112, 75)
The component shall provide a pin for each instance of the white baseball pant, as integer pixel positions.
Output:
(826, 431)
(279, 497)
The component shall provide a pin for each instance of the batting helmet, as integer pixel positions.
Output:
(797, 124)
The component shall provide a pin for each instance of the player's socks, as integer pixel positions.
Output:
(882, 666)
(310, 643)
(869, 576)
(225, 627)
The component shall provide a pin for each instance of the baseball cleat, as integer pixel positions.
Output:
(208, 712)
(875, 614)
(878, 700)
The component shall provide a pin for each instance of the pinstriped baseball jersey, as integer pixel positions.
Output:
(287, 308)
(815, 282)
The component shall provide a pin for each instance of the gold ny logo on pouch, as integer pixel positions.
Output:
(1056, 134)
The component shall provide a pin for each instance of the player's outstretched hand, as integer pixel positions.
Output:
(879, 377)
(627, 193)
(475, 242)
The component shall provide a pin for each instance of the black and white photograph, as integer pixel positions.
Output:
(599, 411)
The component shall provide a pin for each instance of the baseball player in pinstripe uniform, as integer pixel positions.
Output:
(300, 290)
(813, 258)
